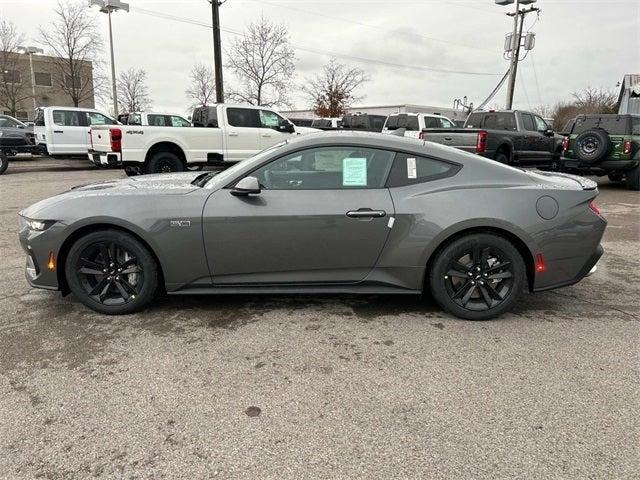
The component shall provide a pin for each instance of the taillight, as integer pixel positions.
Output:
(565, 144)
(626, 147)
(540, 263)
(481, 142)
(421, 136)
(115, 135)
(594, 208)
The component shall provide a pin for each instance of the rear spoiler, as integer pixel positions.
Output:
(585, 183)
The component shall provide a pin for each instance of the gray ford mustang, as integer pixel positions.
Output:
(325, 213)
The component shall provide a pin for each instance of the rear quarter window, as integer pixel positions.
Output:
(409, 169)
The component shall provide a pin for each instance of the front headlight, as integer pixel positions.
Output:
(36, 225)
(1, 133)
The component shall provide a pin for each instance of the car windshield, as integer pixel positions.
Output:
(216, 178)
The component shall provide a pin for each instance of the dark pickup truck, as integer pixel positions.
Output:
(514, 137)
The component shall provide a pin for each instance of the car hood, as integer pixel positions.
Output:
(145, 185)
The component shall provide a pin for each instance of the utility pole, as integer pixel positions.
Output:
(30, 51)
(217, 49)
(515, 43)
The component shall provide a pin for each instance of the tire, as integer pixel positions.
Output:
(633, 178)
(592, 146)
(461, 289)
(4, 163)
(164, 162)
(502, 157)
(113, 292)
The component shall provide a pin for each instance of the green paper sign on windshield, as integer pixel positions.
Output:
(354, 172)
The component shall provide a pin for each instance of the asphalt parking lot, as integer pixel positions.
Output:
(318, 387)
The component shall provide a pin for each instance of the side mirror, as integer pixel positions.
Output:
(549, 132)
(246, 186)
(287, 126)
(20, 126)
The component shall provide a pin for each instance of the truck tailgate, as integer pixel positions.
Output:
(464, 139)
(100, 138)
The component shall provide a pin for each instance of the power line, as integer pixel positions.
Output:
(535, 76)
(190, 21)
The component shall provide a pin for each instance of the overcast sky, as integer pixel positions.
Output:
(411, 49)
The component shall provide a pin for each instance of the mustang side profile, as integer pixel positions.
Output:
(335, 212)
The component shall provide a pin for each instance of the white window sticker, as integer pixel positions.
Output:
(354, 172)
(411, 168)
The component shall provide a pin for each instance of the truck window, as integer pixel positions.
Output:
(636, 126)
(500, 121)
(157, 120)
(243, 117)
(410, 122)
(431, 122)
(39, 121)
(445, 123)
(68, 118)
(527, 122)
(541, 125)
(321, 123)
(134, 119)
(177, 121)
(474, 120)
(94, 118)
(269, 119)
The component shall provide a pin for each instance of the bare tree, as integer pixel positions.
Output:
(263, 61)
(13, 87)
(133, 94)
(75, 42)
(333, 91)
(202, 89)
(597, 100)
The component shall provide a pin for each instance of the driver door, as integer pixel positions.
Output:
(270, 133)
(321, 217)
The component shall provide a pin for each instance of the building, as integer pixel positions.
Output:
(453, 114)
(50, 84)
(629, 99)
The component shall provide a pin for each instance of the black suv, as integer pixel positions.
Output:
(602, 144)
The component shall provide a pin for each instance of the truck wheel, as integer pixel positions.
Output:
(4, 163)
(592, 146)
(633, 178)
(502, 157)
(164, 162)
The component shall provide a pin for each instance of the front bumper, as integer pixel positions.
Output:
(38, 246)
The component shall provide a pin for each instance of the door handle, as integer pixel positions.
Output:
(366, 213)
(58, 131)
(448, 139)
(233, 134)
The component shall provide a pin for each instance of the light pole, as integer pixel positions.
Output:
(108, 6)
(513, 43)
(30, 51)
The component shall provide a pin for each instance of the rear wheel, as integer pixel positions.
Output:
(502, 157)
(164, 162)
(633, 178)
(112, 272)
(478, 276)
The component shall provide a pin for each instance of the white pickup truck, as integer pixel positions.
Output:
(221, 134)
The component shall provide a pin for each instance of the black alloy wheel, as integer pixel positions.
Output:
(165, 162)
(480, 279)
(477, 276)
(111, 272)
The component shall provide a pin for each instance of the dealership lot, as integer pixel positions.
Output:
(286, 387)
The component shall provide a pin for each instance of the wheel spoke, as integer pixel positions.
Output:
(484, 256)
(103, 293)
(475, 254)
(493, 292)
(455, 273)
(461, 290)
(132, 269)
(128, 286)
(99, 286)
(90, 271)
(467, 295)
(486, 296)
(500, 275)
(122, 290)
(498, 266)
(104, 252)
(112, 252)
(85, 262)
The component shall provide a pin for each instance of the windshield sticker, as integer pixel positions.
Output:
(411, 168)
(354, 172)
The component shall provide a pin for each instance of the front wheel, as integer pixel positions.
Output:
(478, 276)
(112, 272)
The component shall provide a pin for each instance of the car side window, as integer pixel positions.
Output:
(445, 123)
(327, 168)
(269, 119)
(243, 117)
(431, 122)
(636, 126)
(409, 169)
(177, 121)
